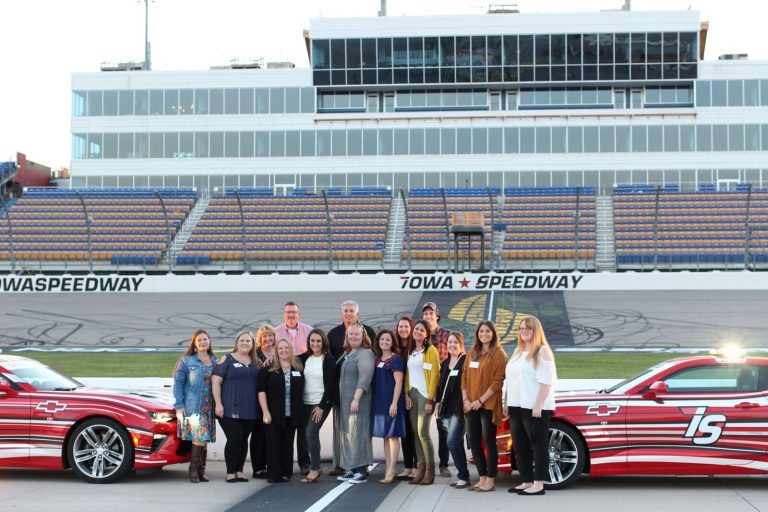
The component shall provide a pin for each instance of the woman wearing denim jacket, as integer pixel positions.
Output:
(193, 401)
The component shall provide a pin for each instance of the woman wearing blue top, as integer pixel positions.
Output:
(388, 400)
(193, 401)
(234, 391)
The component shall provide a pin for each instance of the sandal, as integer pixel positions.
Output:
(308, 480)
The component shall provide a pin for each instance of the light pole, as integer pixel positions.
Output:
(87, 229)
(147, 64)
(167, 230)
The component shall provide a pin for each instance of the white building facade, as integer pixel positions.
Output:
(500, 100)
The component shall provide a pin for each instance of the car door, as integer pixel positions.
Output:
(698, 420)
(14, 423)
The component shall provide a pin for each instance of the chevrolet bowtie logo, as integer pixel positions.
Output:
(51, 406)
(603, 409)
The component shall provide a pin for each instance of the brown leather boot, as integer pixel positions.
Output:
(418, 475)
(195, 462)
(429, 475)
(201, 470)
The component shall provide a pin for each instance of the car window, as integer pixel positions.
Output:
(716, 379)
(41, 377)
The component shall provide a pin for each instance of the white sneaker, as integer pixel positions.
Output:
(345, 477)
(359, 478)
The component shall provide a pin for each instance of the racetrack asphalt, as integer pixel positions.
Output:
(588, 319)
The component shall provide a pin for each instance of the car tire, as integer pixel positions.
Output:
(100, 451)
(567, 456)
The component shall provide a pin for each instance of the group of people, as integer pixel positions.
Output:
(282, 384)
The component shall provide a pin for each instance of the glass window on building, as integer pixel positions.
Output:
(448, 141)
(110, 103)
(479, 141)
(171, 97)
(495, 140)
(623, 139)
(216, 145)
(703, 93)
(156, 145)
(639, 139)
(261, 144)
(307, 100)
(79, 145)
(109, 181)
(216, 101)
(751, 93)
(719, 93)
(370, 138)
(655, 138)
(246, 145)
(607, 144)
(323, 147)
(292, 100)
(186, 145)
(575, 139)
(261, 101)
(672, 138)
(463, 141)
(125, 103)
(320, 54)
(201, 101)
(201, 145)
(591, 139)
(171, 144)
(543, 139)
(125, 145)
(720, 137)
(186, 102)
(143, 181)
(307, 143)
(416, 141)
(276, 100)
(527, 140)
(511, 140)
(354, 142)
(231, 144)
(401, 141)
(338, 143)
(752, 137)
(735, 93)
(704, 137)
(292, 143)
(79, 99)
(687, 138)
(432, 141)
(246, 100)
(140, 103)
(109, 149)
(736, 137)
(277, 143)
(385, 142)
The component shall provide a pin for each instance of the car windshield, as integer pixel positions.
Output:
(41, 377)
(627, 384)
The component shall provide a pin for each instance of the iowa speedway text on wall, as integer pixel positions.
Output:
(252, 283)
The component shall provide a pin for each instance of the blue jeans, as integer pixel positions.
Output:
(313, 436)
(455, 426)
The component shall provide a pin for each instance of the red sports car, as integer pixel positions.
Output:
(688, 416)
(50, 421)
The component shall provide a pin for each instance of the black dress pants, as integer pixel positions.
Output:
(279, 438)
(530, 441)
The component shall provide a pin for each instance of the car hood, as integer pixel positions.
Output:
(150, 399)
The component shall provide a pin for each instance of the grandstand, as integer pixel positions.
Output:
(531, 228)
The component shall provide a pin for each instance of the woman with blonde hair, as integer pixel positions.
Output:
(530, 401)
(281, 397)
(193, 401)
(266, 337)
(234, 390)
(481, 384)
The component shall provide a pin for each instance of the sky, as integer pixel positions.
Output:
(42, 42)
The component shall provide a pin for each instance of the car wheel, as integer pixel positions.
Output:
(100, 451)
(567, 455)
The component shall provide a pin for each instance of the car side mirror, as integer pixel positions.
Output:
(657, 388)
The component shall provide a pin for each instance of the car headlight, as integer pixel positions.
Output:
(162, 417)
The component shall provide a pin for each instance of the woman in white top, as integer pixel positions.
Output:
(530, 401)
(319, 379)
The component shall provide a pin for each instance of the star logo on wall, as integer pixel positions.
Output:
(464, 282)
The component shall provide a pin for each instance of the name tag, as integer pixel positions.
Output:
(454, 373)
(427, 366)
(296, 373)
(237, 365)
(380, 365)
(474, 364)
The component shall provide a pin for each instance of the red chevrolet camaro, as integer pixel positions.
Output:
(50, 421)
(688, 416)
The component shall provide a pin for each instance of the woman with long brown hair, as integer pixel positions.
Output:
(193, 401)
(481, 382)
(403, 337)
